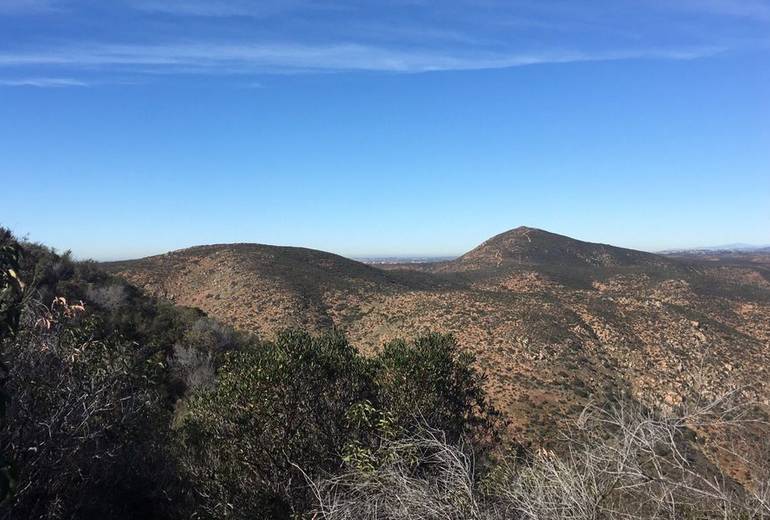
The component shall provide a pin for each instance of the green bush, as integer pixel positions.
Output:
(305, 406)
(276, 408)
(433, 382)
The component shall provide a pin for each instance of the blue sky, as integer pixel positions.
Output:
(132, 127)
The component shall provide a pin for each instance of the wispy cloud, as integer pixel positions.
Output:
(400, 36)
(43, 82)
(242, 58)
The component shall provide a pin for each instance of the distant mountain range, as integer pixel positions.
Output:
(727, 248)
(402, 259)
(554, 322)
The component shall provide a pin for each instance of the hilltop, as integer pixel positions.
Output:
(531, 246)
(554, 321)
(256, 286)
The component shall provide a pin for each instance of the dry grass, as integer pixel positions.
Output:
(624, 461)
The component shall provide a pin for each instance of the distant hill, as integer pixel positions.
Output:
(258, 287)
(390, 260)
(530, 246)
(731, 248)
(560, 257)
(554, 321)
(729, 254)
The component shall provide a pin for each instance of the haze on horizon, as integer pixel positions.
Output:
(399, 128)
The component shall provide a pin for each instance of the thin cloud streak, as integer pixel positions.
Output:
(241, 58)
(43, 82)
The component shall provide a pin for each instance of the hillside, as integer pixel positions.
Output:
(555, 322)
(530, 246)
(569, 261)
(259, 287)
(119, 405)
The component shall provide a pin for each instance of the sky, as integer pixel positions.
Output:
(393, 127)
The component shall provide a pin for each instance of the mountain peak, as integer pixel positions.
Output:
(523, 231)
(539, 248)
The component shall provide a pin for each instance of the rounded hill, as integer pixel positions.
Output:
(259, 287)
(535, 247)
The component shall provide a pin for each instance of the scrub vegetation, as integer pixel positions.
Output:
(121, 405)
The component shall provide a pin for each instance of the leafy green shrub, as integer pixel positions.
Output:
(305, 406)
(433, 382)
(274, 406)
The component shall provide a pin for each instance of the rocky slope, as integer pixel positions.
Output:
(530, 246)
(554, 322)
